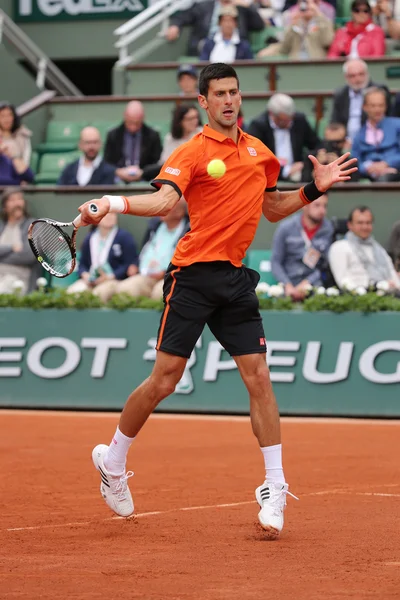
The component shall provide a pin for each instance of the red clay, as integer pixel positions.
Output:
(340, 540)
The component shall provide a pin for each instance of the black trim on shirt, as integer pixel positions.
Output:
(155, 183)
(273, 189)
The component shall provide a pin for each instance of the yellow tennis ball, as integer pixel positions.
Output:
(216, 168)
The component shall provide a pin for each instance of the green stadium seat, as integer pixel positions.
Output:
(61, 136)
(104, 127)
(34, 161)
(162, 127)
(260, 260)
(52, 164)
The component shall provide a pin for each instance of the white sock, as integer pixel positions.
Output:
(115, 459)
(273, 463)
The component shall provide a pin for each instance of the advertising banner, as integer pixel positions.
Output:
(321, 363)
(30, 11)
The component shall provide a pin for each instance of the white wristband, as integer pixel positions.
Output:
(117, 204)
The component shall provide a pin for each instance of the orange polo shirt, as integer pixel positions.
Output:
(224, 213)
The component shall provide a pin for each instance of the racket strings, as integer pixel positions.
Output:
(52, 247)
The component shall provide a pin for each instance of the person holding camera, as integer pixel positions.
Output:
(308, 35)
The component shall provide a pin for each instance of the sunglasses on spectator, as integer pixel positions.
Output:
(362, 10)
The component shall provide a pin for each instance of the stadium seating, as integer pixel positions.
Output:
(61, 136)
(260, 260)
(52, 164)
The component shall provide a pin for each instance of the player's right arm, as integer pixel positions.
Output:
(171, 183)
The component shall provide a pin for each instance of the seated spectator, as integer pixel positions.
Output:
(326, 8)
(156, 255)
(106, 253)
(359, 38)
(226, 45)
(271, 11)
(358, 259)
(386, 13)
(377, 144)
(348, 100)
(16, 138)
(203, 18)
(309, 34)
(287, 134)
(132, 145)
(185, 124)
(13, 171)
(300, 249)
(187, 80)
(90, 168)
(17, 261)
(334, 144)
(394, 246)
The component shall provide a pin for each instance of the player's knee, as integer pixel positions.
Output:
(258, 378)
(164, 386)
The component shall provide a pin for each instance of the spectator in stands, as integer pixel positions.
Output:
(377, 144)
(394, 246)
(386, 13)
(334, 144)
(203, 18)
(287, 134)
(17, 261)
(106, 253)
(187, 80)
(309, 34)
(132, 145)
(358, 259)
(300, 249)
(14, 136)
(185, 124)
(226, 45)
(13, 171)
(271, 11)
(90, 168)
(326, 8)
(156, 255)
(348, 100)
(360, 37)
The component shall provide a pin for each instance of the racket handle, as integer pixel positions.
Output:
(92, 209)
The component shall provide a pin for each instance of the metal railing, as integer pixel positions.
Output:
(156, 14)
(46, 70)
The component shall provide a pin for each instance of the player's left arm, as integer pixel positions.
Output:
(278, 205)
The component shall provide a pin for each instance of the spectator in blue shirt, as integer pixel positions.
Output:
(13, 171)
(300, 247)
(106, 253)
(226, 45)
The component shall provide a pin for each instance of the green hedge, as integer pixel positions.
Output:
(58, 298)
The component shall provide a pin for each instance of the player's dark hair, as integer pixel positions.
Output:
(362, 209)
(178, 115)
(215, 71)
(16, 120)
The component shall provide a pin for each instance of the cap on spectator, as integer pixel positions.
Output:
(228, 11)
(187, 70)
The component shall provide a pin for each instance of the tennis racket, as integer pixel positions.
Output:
(52, 246)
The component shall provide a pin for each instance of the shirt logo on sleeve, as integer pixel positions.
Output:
(172, 171)
(252, 151)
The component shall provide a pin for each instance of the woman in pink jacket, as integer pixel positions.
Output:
(360, 37)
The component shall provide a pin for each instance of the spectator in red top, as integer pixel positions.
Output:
(360, 37)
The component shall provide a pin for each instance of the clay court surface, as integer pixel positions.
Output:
(195, 534)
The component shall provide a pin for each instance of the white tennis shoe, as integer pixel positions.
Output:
(271, 497)
(113, 488)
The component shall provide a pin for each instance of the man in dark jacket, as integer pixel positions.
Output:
(203, 18)
(90, 168)
(348, 100)
(132, 145)
(287, 134)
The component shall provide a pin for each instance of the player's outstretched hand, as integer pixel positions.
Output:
(90, 218)
(338, 170)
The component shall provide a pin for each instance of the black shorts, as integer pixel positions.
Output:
(217, 294)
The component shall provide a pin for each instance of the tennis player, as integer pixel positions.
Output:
(206, 282)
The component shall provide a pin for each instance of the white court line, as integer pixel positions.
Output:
(188, 508)
(195, 417)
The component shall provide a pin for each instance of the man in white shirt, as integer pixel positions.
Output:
(358, 260)
(90, 168)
